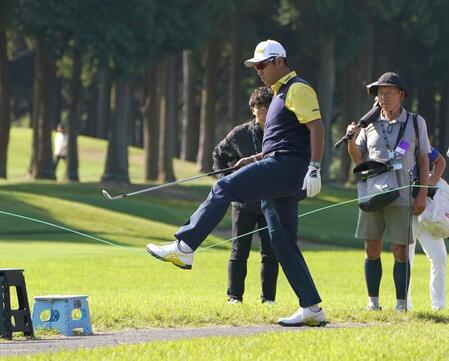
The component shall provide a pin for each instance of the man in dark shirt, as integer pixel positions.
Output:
(243, 141)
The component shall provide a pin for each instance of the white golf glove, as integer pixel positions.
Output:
(312, 181)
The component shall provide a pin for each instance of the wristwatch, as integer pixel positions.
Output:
(315, 164)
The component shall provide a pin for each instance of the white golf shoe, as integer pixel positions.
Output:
(302, 317)
(171, 253)
(372, 307)
(401, 306)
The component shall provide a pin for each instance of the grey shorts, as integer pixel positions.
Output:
(389, 224)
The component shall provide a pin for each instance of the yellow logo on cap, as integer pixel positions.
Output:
(259, 50)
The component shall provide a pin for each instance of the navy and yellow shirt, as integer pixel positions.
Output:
(294, 104)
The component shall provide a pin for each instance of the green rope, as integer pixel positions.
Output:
(202, 248)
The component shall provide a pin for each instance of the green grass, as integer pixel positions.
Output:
(92, 156)
(129, 289)
(172, 205)
(406, 341)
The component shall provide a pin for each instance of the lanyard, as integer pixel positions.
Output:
(400, 134)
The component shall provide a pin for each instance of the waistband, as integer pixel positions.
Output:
(282, 152)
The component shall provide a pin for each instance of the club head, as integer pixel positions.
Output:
(106, 194)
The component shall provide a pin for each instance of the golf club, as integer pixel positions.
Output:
(125, 195)
(364, 121)
(409, 237)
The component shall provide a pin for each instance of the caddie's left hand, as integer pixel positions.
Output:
(312, 181)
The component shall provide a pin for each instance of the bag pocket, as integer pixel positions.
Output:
(376, 186)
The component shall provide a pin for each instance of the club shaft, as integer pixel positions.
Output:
(169, 184)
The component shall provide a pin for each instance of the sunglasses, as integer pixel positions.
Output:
(261, 105)
(263, 64)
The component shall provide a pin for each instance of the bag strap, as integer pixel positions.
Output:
(401, 132)
(415, 126)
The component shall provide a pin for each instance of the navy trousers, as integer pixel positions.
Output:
(277, 180)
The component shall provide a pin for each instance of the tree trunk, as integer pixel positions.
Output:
(382, 50)
(208, 113)
(190, 120)
(366, 67)
(57, 104)
(72, 129)
(326, 85)
(135, 118)
(348, 115)
(5, 105)
(134, 122)
(150, 115)
(44, 81)
(444, 121)
(89, 108)
(426, 107)
(235, 89)
(167, 118)
(104, 102)
(117, 158)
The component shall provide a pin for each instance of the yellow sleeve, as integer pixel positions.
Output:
(301, 99)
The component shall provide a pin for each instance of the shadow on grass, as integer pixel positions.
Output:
(172, 206)
(13, 228)
(433, 317)
(27, 229)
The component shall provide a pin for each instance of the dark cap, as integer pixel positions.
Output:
(387, 79)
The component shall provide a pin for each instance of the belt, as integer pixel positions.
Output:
(282, 152)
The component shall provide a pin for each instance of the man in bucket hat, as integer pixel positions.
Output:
(390, 139)
(284, 172)
(389, 79)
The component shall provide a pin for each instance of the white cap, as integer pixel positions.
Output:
(264, 50)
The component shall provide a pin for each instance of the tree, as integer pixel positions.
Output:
(104, 101)
(190, 120)
(75, 93)
(116, 168)
(7, 9)
(235, 89)
(47, 22)
(167, 115)
(150, 116)
(41, 166)
(208, 103)
(5, 116)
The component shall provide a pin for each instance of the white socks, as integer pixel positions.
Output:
(374, 301)
(184, 247)
(314, 308)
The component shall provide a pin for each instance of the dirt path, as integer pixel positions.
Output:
(56, 343)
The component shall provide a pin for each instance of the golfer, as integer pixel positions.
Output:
(287, 169)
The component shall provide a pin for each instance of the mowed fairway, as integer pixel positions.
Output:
(129, 289)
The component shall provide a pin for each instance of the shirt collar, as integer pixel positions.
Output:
(276, 86)
(401, 118)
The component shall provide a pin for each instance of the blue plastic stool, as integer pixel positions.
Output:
(60, 308)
